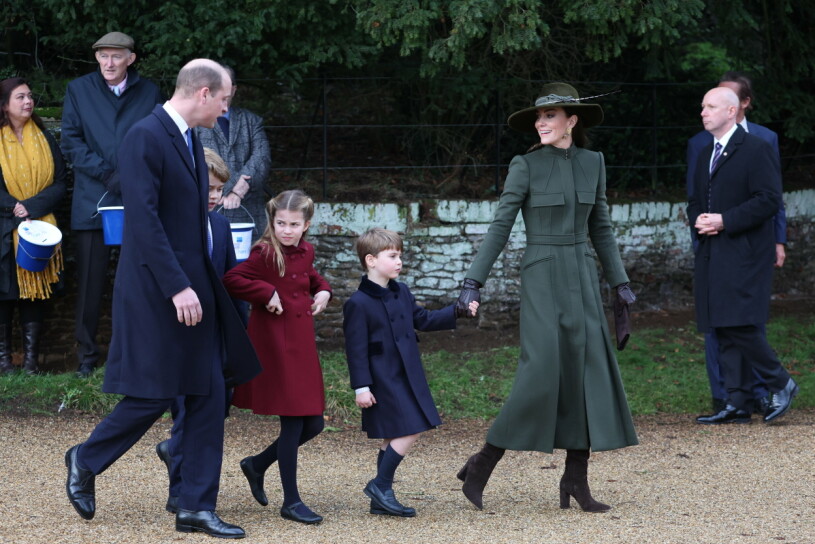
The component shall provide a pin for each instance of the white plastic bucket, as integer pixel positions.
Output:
(242, 239)
(242, 235)
(37, 242)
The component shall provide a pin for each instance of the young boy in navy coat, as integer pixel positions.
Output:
(383, 361)
(222, 255)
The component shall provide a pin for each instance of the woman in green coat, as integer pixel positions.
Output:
(567, 392)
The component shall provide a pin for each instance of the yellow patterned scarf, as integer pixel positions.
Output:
(28, 168)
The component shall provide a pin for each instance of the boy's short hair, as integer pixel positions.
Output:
(375, 240)
(216, 165)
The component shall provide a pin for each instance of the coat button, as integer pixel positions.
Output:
(308, 312)
(295, 294)
(294, 276)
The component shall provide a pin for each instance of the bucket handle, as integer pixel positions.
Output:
(221, 207)
(21, 246)
(99, 202)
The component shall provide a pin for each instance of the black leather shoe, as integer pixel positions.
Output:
(762, 406)
(81, 486)
(172, 505)
(729, 415)
(385, 503)
(781, 401)
(255, 480)
(187, 521)
(290, 512)
(163, 452)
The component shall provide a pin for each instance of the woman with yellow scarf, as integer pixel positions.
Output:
(32, 183)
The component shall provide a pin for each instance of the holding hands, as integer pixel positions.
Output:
(469, 299)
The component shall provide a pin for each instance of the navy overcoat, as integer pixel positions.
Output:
(164, 250)
(734, 269)
(383, 353)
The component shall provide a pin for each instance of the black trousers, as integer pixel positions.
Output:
(743, 350)
(92, 261)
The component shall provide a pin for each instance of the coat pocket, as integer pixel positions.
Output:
(586, 197)
(537, 261)
(538, 200)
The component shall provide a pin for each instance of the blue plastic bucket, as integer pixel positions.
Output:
(113, 218)
(242, 239)
(37, 241)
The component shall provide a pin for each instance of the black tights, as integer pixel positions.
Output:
(294, 432)
(31, 311)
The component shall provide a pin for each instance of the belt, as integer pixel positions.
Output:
(557, 239)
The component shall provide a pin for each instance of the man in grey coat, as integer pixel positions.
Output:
(239, 139)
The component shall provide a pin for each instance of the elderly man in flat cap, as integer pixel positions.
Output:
(99, 109)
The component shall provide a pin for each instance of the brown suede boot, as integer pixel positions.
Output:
(575, 483)
(476, 472)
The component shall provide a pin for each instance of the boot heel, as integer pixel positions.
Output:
(565, 499)
(462, 474)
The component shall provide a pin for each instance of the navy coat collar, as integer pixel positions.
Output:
(375, 290)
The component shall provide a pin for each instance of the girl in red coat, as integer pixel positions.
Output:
(285, 291)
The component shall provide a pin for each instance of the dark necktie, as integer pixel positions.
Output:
(188, 137)
(223, 122)
(717, 152)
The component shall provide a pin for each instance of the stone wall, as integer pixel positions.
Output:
(441, 238)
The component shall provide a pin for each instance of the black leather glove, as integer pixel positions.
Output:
(622, 318)
(469, 292)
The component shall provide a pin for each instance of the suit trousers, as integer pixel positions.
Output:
(201, 443)
(744, 350)
(714, 371)
(92, 262)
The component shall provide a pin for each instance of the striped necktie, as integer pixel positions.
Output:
(717, 152)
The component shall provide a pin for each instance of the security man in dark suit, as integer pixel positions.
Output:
(175, 329)
(737, 190)
(743, 87)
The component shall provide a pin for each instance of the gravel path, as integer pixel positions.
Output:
(685, 483)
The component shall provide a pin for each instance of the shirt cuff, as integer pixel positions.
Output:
(362, 390)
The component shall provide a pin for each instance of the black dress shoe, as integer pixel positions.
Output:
(729, 415)
(172, 505)
(718, 404)
(385, 503)
(163, 452)
(81, 486)
(187, 521)
(762, 405)
(309, 517)
(781, 401)
(255, 480)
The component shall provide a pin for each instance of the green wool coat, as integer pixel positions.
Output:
(567, 392)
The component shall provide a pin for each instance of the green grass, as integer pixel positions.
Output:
(663, 371)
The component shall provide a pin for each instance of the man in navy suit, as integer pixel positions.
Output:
(742, 86)
(736, 192)
(175, 329)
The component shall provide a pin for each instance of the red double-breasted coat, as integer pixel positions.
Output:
(291, 383)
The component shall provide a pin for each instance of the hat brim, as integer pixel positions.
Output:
(590, 115)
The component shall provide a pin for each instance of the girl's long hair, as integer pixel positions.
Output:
(293, 201)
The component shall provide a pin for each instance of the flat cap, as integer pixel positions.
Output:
(116, 40)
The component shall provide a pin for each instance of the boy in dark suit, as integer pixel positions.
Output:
(384, 364)
(222, 255)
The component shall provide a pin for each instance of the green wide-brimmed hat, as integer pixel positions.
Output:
(557, 95)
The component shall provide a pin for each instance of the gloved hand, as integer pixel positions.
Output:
(469, 293)
(622, 319)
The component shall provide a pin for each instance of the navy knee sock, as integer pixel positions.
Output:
(312, 426)
(387, 469)
(379, 457)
